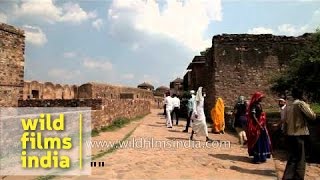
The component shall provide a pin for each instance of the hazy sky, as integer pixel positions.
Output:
(132, 41)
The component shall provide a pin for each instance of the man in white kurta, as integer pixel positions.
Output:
(199, 125)
(176, 108)
(169, 108)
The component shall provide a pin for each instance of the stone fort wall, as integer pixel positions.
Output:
(242, 64)
(12, 47)
(104, 111)
(108, 102)
(34, 90)
(48, 90)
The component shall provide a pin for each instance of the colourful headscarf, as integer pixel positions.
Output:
(256, 96)
(253, 129)
(217, 116)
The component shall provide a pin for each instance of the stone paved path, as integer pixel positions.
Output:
(312, 170)
(179, 163)
(107, 136)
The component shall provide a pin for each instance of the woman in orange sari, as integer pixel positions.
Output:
(217, 116)
(259, 144)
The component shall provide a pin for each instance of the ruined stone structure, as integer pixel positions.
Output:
(94, 104)
(48, 90)
(34, 90)
(160, 91)
(146, 86)
(176, 86)
(195, 76)
(241, 64)
(113, 109)
(108, 102)
(12, 47)
(105, 91)
(104, 111)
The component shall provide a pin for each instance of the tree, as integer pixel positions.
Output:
(303, 71)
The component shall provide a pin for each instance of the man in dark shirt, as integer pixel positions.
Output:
(296, 119)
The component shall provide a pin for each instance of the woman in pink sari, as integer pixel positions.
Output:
(259, 144)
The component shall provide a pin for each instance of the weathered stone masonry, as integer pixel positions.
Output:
(12, 47)
(245, 64)
(104, 111)
(37, 90)
(241, 64)
(108, 102)
(48, 90)
(113, 109)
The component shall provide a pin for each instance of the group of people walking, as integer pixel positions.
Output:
(196, 113)
(294, 118)
(250, 122)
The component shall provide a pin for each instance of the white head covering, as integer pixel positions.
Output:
(199, 96)
(192, 92)
(241, 100)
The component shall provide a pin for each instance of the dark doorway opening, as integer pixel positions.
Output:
(35, 94)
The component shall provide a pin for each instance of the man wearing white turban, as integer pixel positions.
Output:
(199, 125)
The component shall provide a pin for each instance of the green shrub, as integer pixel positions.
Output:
(316, 108)
(116, 124)
(94, 132)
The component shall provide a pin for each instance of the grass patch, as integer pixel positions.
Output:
(46, 177)
(116, 124)
(114, 147)
(94, 132)
(316, 108)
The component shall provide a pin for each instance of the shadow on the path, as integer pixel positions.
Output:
(280, 155)
(160, 122)
(174, 130)
(177, 138)
(231, 157)
(271, 173)
(154, 125)
(187, 139)
(180, 125)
